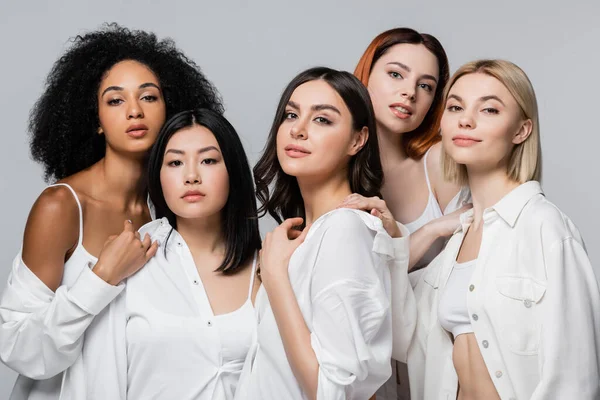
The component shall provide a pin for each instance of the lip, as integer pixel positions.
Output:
(192, 196)
(465, 140)
(400, 114)
(137, 130)
(295, 151)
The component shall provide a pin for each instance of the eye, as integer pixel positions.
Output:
(322, 120)
(174, 163)
(209, 161)
(290, 115)
(395, 75)
(115, 102)
(454, 108)
(490, 110)
(427, 87)
(150, 98)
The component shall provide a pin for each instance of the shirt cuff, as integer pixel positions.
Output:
(91, 293)
(402, 246)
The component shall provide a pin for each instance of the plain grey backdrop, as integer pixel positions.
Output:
(251, 50)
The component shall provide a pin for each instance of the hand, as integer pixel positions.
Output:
(277, 249)
(377, 208)
(123, 255)
(446, 225)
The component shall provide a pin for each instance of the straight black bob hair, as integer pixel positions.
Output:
(239, 221)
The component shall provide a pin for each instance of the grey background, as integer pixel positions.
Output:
(250, 50)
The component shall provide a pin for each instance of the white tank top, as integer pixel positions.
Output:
(453, 312)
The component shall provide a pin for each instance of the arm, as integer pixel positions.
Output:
(570, 336)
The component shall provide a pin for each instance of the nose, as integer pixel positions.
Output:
(298, 130)
(134, 111)
(408, 92)
(192, 176)
(466, 121)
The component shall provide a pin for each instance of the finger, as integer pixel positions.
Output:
(146, 242)
(152, 250)
(294, 234)
(128, 226)
(138, 236)
(376, 213)
(300, 239)
(291, 222)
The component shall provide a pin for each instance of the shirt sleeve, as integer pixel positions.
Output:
(351, 321)
(570, 339)
(41, 331)
(404, 306)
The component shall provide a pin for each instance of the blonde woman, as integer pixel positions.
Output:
(511, 308)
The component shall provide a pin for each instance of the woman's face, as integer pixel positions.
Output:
(482, 123)
(402, 86)
(131, 107)
(193, 175)
(316, 138)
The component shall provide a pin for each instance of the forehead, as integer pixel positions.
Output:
(192, 138)
(416, 56)
(476, 85)
(128, 73)
(317, 92)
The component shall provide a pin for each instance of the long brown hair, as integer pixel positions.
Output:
(417, 142)
(365, 174)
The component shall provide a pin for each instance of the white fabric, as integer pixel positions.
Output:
(168, 343)
(453, 312)
(537, 301)
(42, 332)
(341, 278)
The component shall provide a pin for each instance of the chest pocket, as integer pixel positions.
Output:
(518, 314)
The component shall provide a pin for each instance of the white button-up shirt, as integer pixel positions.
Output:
(534, 302)
(341, 278)
(167, 343)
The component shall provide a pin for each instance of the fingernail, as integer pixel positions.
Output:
(129, 221)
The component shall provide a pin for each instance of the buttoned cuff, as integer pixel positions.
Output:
(91, 293)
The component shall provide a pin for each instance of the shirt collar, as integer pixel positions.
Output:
(509, 207)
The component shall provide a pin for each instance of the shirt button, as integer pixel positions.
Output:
(195, 281)
(475, 317)
(498, 374)
(471, 288)
(209, 323)
(485, 344)
(527, 303)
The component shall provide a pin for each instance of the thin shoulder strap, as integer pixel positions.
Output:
(426, 172)
(252, 276)
(80, 210)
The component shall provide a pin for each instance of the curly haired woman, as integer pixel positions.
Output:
(104, 103)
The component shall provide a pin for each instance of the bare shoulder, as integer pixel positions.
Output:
(444, 190)
(52, 230)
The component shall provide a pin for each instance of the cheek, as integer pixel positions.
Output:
(219, 181)
(168, 182)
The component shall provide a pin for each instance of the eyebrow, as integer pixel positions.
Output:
(120, 89)
(316, 107)
(481, 99)
(407, 69)
(202, 150)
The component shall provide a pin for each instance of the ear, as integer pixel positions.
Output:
(359, 140)
(523, 132)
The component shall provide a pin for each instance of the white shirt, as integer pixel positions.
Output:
(341, 278)
(169, 344)
(534, 302)
(42, 332)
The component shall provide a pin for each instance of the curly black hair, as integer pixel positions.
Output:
(63, 123)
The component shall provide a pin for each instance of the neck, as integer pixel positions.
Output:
(202, 235)
(121, 179)
(487, 188)
(390, 148)
(321, 197)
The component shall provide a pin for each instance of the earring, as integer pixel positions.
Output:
(100, 131)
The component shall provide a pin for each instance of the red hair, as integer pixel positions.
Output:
(417, 142)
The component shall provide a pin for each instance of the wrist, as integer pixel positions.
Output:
(105, 274)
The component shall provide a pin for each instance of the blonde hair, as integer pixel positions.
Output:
(525, 163)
